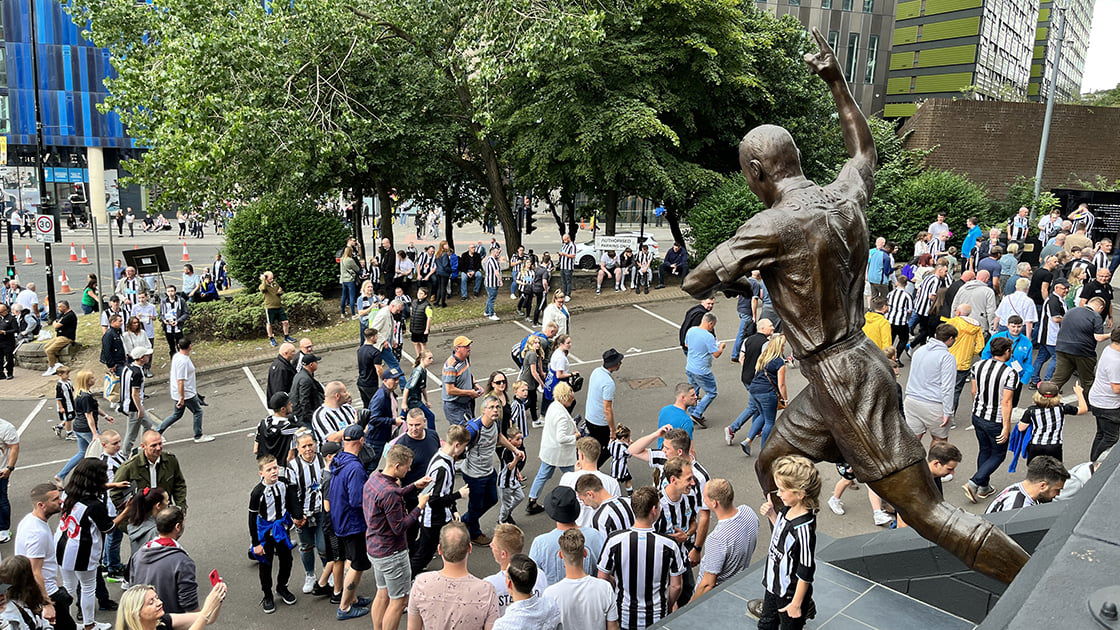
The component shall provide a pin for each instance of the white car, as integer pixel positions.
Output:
(587, 257)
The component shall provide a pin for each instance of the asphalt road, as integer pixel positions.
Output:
(220, 474)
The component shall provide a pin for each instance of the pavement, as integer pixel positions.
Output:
(220, 474)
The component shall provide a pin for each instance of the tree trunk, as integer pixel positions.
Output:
(610, 200)
(555, 215)
(385, 220)
(356, 217)
(450, 204)
(569, 204)
(674, 224)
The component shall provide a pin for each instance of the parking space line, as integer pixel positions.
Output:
(31, 416)
(652, 314)
(574, 358)
(248, 432)
(257, 387)
(431, 374)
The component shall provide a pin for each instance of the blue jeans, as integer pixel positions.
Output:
(765, 408)
(390, 358)
(566, 281)
(484, 495)
(83, 443)
(190, 403)
(744, 321)
(349, 298)
(5, 506)
(491, 295)
(513, 284)
(312, 540)
(544, 473)
(464, 281)
(747, 414)
(111, 555)
(1045, 353)
(86, 309)
(991, 454)
(703, 383)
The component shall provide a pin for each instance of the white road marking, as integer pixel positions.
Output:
(257, 387)
(31, 416)
(652, 314)
(431, 374)
(574, 358)
(246, 432)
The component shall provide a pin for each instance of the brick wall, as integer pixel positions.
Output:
(994, 142)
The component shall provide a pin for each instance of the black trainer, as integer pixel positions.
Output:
(322, 590)
(286, 595)
(268, 605)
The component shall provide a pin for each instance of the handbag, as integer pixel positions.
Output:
(576, 381)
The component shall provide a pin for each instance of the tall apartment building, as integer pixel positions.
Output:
(858, 30)
(996, 47)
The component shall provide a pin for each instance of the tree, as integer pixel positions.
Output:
(1100, 98)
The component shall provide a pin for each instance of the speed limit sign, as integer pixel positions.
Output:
(44, 228)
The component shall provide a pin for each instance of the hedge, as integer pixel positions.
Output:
(243, 316)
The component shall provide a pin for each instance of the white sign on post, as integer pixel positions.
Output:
(616, 243)
(44, 228)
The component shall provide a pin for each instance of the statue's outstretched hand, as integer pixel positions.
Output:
(824, 63)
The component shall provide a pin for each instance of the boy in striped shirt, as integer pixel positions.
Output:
(1046, 477)
(899, 307)
(511, 480)
(441, 507)
(620, 458)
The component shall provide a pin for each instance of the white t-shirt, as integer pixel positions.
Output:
(182, 368)
(559, 362)
(498, 581)
(610, 484)
(9, 437)
(27, 298)
(584, 603)
(35, 539)
(1108, 372)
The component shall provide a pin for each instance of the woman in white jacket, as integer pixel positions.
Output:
(558, 443)
(558, 313)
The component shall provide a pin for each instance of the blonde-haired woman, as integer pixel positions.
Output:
(767, 388)
(557, 313)
(141, 609)
(558, 443)
(86, 413)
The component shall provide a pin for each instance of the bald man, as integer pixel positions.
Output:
(980, 297)
(152, 462)
(282, 371)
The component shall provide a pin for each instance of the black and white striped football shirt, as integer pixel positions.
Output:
(1012, 498)
(81, 535)
(1086, 265)
(508, 478)
(900, 305)
(620, 460)
(992, 378)
(307, 477)
(1047, 423)
(424, 264)
(1046, 332)
(567, 264)
(493, 272)
(131, 378)
(442, 471)
(930, 285)
(326, 420)
(644, 259)
(1101, 259)
(792, 554)
(675, 515)
(612, 515)
(519, 416)
(641, 562)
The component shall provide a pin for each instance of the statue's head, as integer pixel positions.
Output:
(768, 155)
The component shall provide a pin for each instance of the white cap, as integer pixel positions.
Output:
(138, 353)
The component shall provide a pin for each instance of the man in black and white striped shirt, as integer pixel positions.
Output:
(336, 413)
(132, 396)
(609, 513)
(1046, 477)
(643, 269)
(492, 277)
(567, 256)
(899, 307)
(644, 566)
(1046, 333)
(426, 268)
(441, 508)
(680, 515)
(305, 472)
(1102, 259)
(993, 385)
(925, 298)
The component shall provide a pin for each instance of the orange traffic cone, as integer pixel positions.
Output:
(186, 255)
(65, 290)
(27, 255)
(73, 254)
(85, 259)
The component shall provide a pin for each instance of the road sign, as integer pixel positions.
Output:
(616, 243)
(44, 228)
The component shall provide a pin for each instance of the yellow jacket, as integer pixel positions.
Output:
(969, 343)
(878, 330)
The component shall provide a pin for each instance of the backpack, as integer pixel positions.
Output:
(517, 349)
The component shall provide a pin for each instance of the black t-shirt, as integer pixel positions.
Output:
(369, 357)
(83, 404)
(752, 348)
(1041, 275)
(69, 327)
(164, 622)
(1078, 327)
(1094, 289)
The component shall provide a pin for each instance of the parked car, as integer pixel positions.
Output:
(587, 257)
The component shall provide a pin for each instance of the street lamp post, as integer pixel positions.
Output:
(1051, 96)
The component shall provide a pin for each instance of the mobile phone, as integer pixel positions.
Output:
(215, 578)
(430, 488)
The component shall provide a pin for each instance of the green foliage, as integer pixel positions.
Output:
(1100, 98)
(906, 203)
(1100, 183)
(293, 240)
(1020, 193)
(243, 316)
(719, 214)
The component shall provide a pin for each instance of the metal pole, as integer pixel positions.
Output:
(1050, 98)
(10, 267)
(45, 203)
(96, 254)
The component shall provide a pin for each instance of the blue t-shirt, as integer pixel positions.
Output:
(675, 417)
(600, 387)
(701, 344)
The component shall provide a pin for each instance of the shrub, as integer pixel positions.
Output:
(243, 316)
(905, 204)
(719, 214)
(290, 238)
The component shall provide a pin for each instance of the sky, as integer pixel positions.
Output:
(1102, 63)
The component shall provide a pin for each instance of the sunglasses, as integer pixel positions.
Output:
(498, 382)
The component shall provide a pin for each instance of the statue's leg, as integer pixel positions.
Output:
(977, 542)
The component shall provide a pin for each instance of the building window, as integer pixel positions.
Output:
(3, 67)
(853, 52)
(826, 4)
(794, 3)
(872, 57)
(868, 6)
(833, 39)
(846, 5)
(5, 118)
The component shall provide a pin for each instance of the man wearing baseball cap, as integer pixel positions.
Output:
(348, 476)
(459, 388)
(276, 432)
(384, 414)
(307, 393)
(132, 396)
(599, 410)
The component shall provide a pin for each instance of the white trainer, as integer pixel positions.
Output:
(882, 518)
(836, 505)
(308, 583)
(204, 438)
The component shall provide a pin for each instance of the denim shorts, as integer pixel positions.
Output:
(393, 573)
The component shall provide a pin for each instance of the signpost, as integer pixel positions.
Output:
(44, 229)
